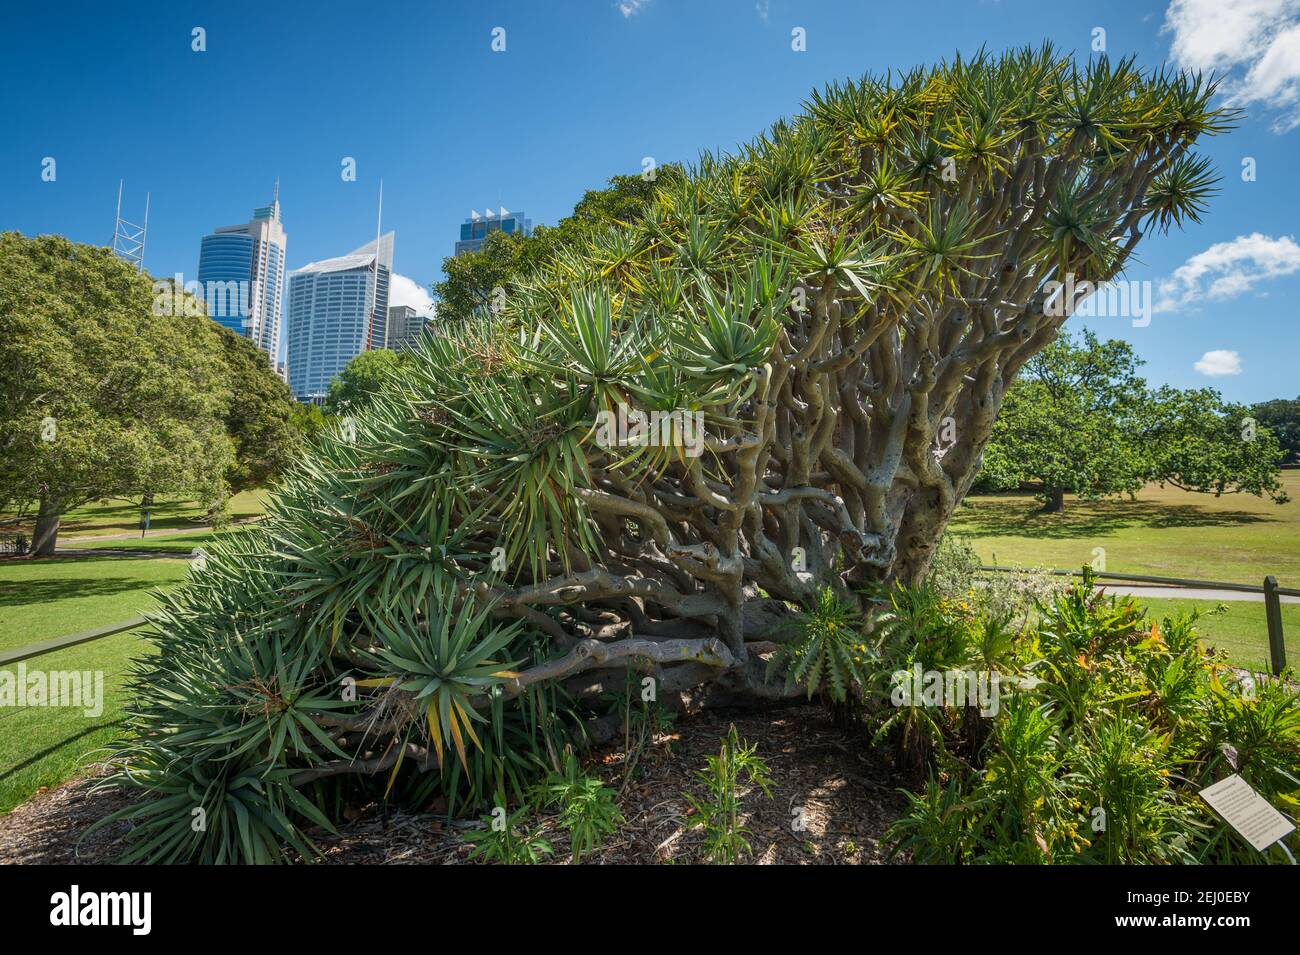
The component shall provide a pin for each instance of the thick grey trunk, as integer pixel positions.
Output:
(46, 534)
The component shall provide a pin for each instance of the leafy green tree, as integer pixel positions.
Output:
(1081, 421)
(473, 278)
(360, 379)
(1282, 417)
(1068, 425)
(100, 396)
(259, 414)
(808, 313)
(1198, 442)
(309, 420)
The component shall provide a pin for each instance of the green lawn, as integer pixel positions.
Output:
(45, 745)
(1240, 629)
(1164, 532)
(123, 517)
(53, 597)
(181, 545)
(42, 599)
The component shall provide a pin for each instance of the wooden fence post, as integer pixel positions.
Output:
(1273, 614)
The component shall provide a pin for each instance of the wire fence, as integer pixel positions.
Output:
(11, 658)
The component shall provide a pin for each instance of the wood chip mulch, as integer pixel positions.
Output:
(832, 800)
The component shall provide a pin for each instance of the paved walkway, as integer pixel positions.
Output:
(1188, 593)
(72, 542)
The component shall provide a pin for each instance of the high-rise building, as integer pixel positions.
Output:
(477, 228)
(241, 271)
(405, 326)
(337, 309)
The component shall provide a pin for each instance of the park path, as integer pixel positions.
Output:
(72, 542)
(1190, 593)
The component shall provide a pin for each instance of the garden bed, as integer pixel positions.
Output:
(847, 793)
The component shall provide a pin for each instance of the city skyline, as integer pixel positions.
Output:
(1219, 291)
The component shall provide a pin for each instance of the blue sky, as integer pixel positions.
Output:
(586, 89)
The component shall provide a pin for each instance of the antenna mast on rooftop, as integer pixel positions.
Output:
(128, 237)
(379, 228)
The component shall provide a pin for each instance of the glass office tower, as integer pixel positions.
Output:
(477, 228)
(241, 270)
(336, 309)
(405, 327)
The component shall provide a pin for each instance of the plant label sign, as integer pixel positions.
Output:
(1247, 811)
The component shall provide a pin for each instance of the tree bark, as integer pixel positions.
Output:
(46, 534)
(1055, 501)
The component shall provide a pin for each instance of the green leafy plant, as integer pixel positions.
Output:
(935, 829)
(1108, 727)
(826, 651)
(726, 840)
(508, 840)
(442, 659)
(588, 808)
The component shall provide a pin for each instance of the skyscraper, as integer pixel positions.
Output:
(241, 270)
(477, 228)
(405, 326)
(337, 309)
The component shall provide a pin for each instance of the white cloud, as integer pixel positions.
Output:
(1219, 362)
(762, 8)
(630, 8)
(1256, 43)
(1228, 269)
(404, 291)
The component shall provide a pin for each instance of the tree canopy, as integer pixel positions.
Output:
(1282, 417)
(1081, 421)
(472, 277)
(260, 415)
(100, 396)
(360, 380)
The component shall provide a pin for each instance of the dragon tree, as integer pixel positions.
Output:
(825, 325)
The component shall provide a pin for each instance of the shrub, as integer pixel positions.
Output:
(1111, 725)
(508, 840)
(587, 807)
(826, 650)
(1015, 594)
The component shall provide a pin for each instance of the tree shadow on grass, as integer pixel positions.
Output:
(998, 516)
(25, 592)
(21, 593)
(55, 747)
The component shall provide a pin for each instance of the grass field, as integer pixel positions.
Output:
(46, 745)
(42, 599)
(1164, 532)
(1239, 628)
(53, 597)
(180, 545)
(123, 517)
